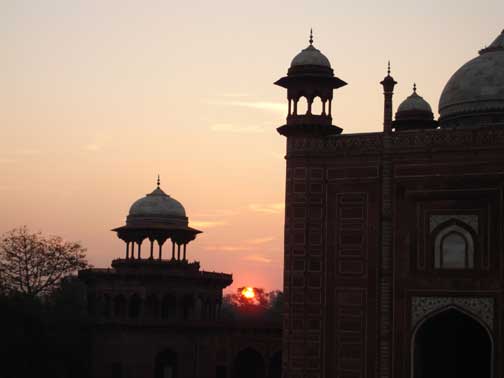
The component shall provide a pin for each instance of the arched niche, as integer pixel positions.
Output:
(451, 343)
(317, 106)
(169, 307)
(119, 306)
(166, 364)
(302, 106)
(135, 306)
(152, 306)
(275, 365)
(249, 363)
(453, 247)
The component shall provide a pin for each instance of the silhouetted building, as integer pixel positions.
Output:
(155, 314)
(394, 239)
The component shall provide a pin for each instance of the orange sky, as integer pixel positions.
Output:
(100, 96)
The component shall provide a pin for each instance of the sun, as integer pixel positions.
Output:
(248, 292)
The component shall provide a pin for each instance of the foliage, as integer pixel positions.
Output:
(45, 337)
(33, 264)
(265, 306)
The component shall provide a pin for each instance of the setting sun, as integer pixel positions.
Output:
(248, 292)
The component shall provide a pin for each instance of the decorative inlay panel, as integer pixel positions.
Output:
(470, 220)
(480, 307)
(366, 143)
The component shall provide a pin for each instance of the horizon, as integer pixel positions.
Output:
(100, 99)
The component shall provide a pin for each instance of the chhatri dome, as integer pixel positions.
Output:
(414, 113)
(474, 95)
(414, 102)
(310, 57)
(156, 217)
(157, 207)
(310, 83)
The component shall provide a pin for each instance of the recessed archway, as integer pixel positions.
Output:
(166, 365)
(275, 365)
(451, 344)
(249, 363)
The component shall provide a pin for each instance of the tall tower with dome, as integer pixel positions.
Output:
(393, 263)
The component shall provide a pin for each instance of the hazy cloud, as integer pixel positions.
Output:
(263, 240)
(234, 95)
(91, 147)
(257, 258)
(277, 107)
(230, 128)
(271, 208)
(27, 152)
(216, 213)
(227, 248)
(207, 224)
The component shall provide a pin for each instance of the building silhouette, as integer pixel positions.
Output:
(394, 239)
(156, 314)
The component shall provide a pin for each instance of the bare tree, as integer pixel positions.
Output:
(34, 264)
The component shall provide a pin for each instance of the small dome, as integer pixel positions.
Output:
(157, 204)
(476, 89)
(414, 113)
(414, 102)
(310, 57)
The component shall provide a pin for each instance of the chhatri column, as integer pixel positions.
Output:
(160, 244)
(132, 252)
(139, 253)
(151, 249)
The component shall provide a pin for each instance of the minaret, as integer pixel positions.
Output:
(309, 77)
(388, 91)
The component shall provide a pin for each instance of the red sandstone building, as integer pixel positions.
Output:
(394, 240)
(156, 314)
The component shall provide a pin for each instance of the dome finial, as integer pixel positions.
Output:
(158, 181)
(311, 36)
(414, 87)
(388, 68)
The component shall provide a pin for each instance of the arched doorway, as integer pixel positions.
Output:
(452, 344)
(166, 365)
(275, 366)
(248, 364)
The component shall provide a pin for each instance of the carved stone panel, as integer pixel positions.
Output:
(481, 307)
(470, 220)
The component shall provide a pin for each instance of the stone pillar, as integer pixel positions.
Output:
(388, 91)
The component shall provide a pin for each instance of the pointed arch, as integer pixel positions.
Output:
(135, 306)
(453, 343)
(316, 107)
(166, 364)
(249, 363)
(453, 247)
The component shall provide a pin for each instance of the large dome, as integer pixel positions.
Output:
(474, 95)
(157, 207)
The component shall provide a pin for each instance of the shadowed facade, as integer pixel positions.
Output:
(156, 314)
(392, 237)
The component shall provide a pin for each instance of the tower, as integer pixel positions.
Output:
(309, 79)
(388, 91)
(392, 255)
(155, 313)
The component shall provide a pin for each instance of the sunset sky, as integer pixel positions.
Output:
(99, 96)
